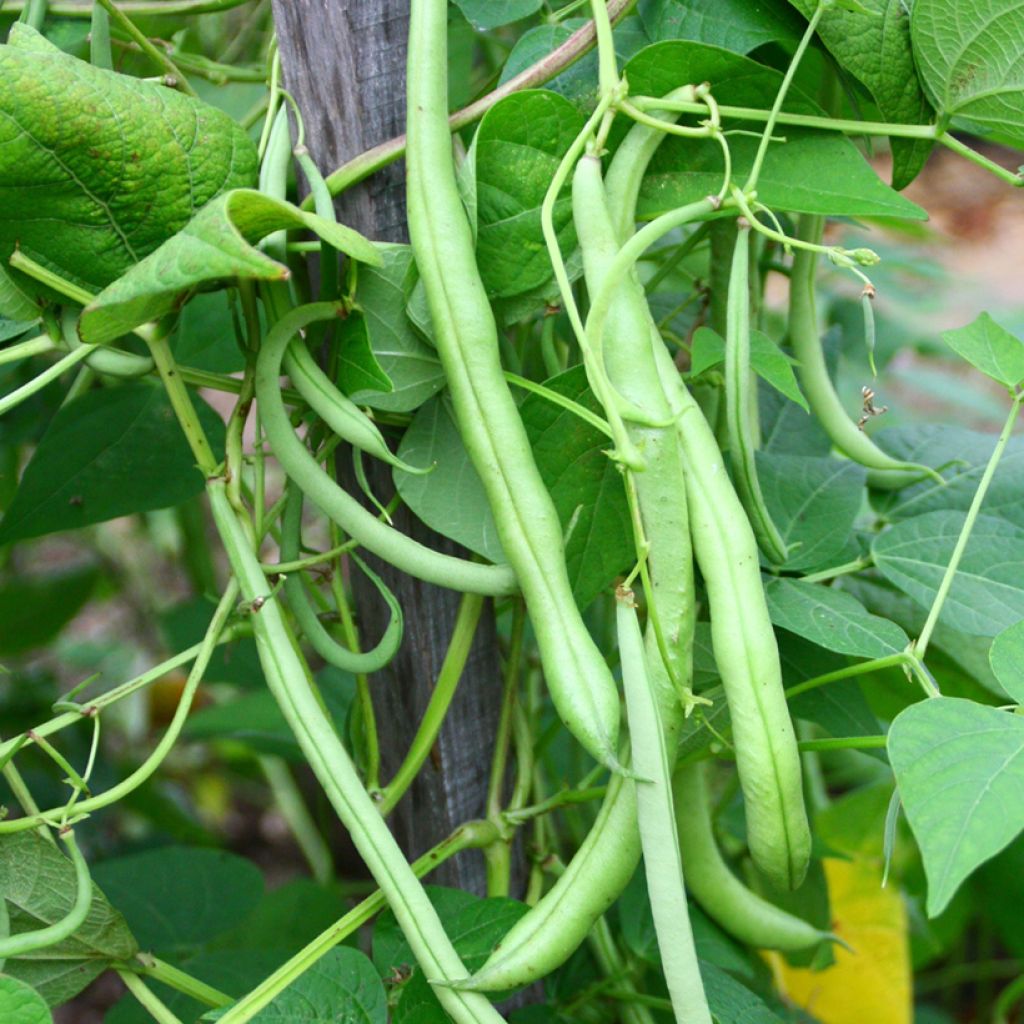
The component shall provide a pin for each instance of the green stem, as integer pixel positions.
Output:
(160, 970)
(444, 690)
(613, 966)
(965, 533)
(472, 835)
(564, 798)
(295, 812)
(14, 398)
(607, 72)
(25, 349)
(155, 54)
(99, 38)
(178, 394)
(560, 400)
(150, 1002)
(862, 668)
(844, 743)
(24, 797)
(839, 570)
(1011, 177)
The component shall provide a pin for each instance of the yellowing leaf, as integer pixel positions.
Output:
(873, 983)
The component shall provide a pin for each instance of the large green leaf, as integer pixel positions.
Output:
(38, 882)
(989, 348)
(685, 170)
(97, 169)
(960, 769)
(969, 58)
(735, 25)
(410, 367)
(22, 1004)
(875, 48)
(814, 503)
(517, 148)
(343, 987)
(176, 898)
(34, 609)
(215, 245)
(106, 454)
(987, 594)
(832, 619)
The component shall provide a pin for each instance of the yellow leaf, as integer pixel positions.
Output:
(872, 983)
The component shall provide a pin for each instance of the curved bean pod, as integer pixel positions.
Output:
(362, 526)
(578, 679)
(545, 937)
(663, 861)
(739, 910)
(887, 473)
(741, 404)
(356, 662)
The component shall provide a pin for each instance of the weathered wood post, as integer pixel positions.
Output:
(344, 62)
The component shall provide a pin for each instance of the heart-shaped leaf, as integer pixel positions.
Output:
(989, 348)
(960, 768)
(97, 169)
(217, 244)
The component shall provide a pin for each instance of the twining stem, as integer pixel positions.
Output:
(921, 645)
(150, 1002)
(25, 349)
(902, 658)
(295, 812)
(160, 970)
(838, 570)
(14, 398)
(444, 690)
(471, 835)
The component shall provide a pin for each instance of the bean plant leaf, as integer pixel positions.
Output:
(176, 898)
(733, 24)
(1006, 656)
(342, 987)
(875, 47)
(97, 169)
(968, 56)
(987, 594)
(22, 1004)
(685, 170)
(410, 365)
(108, 453)
(814, 502)
(516, 150)
(484, 15)
(832, 619)
(37, 881)
(215, 245)
(451, 498)
(767, 360)
(989, 348)
(959, 767)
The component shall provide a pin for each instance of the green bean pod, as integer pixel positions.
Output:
(725, 899)
(659, 838)
(356, 662)
(578, 679)
(550, 932)
(886, 472)
(741, 404)
(362, 526)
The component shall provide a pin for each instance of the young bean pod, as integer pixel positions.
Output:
(362, 526)
(741, 403)
(739, 910)
(578, 679)
(886, 472)
(356, 662)
(663, 861)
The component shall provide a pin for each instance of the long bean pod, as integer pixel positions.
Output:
(407, 554)
(886, 472)
(739, 910)
(578, 679)
(289, 681)
(663, 861)
(741, 403)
